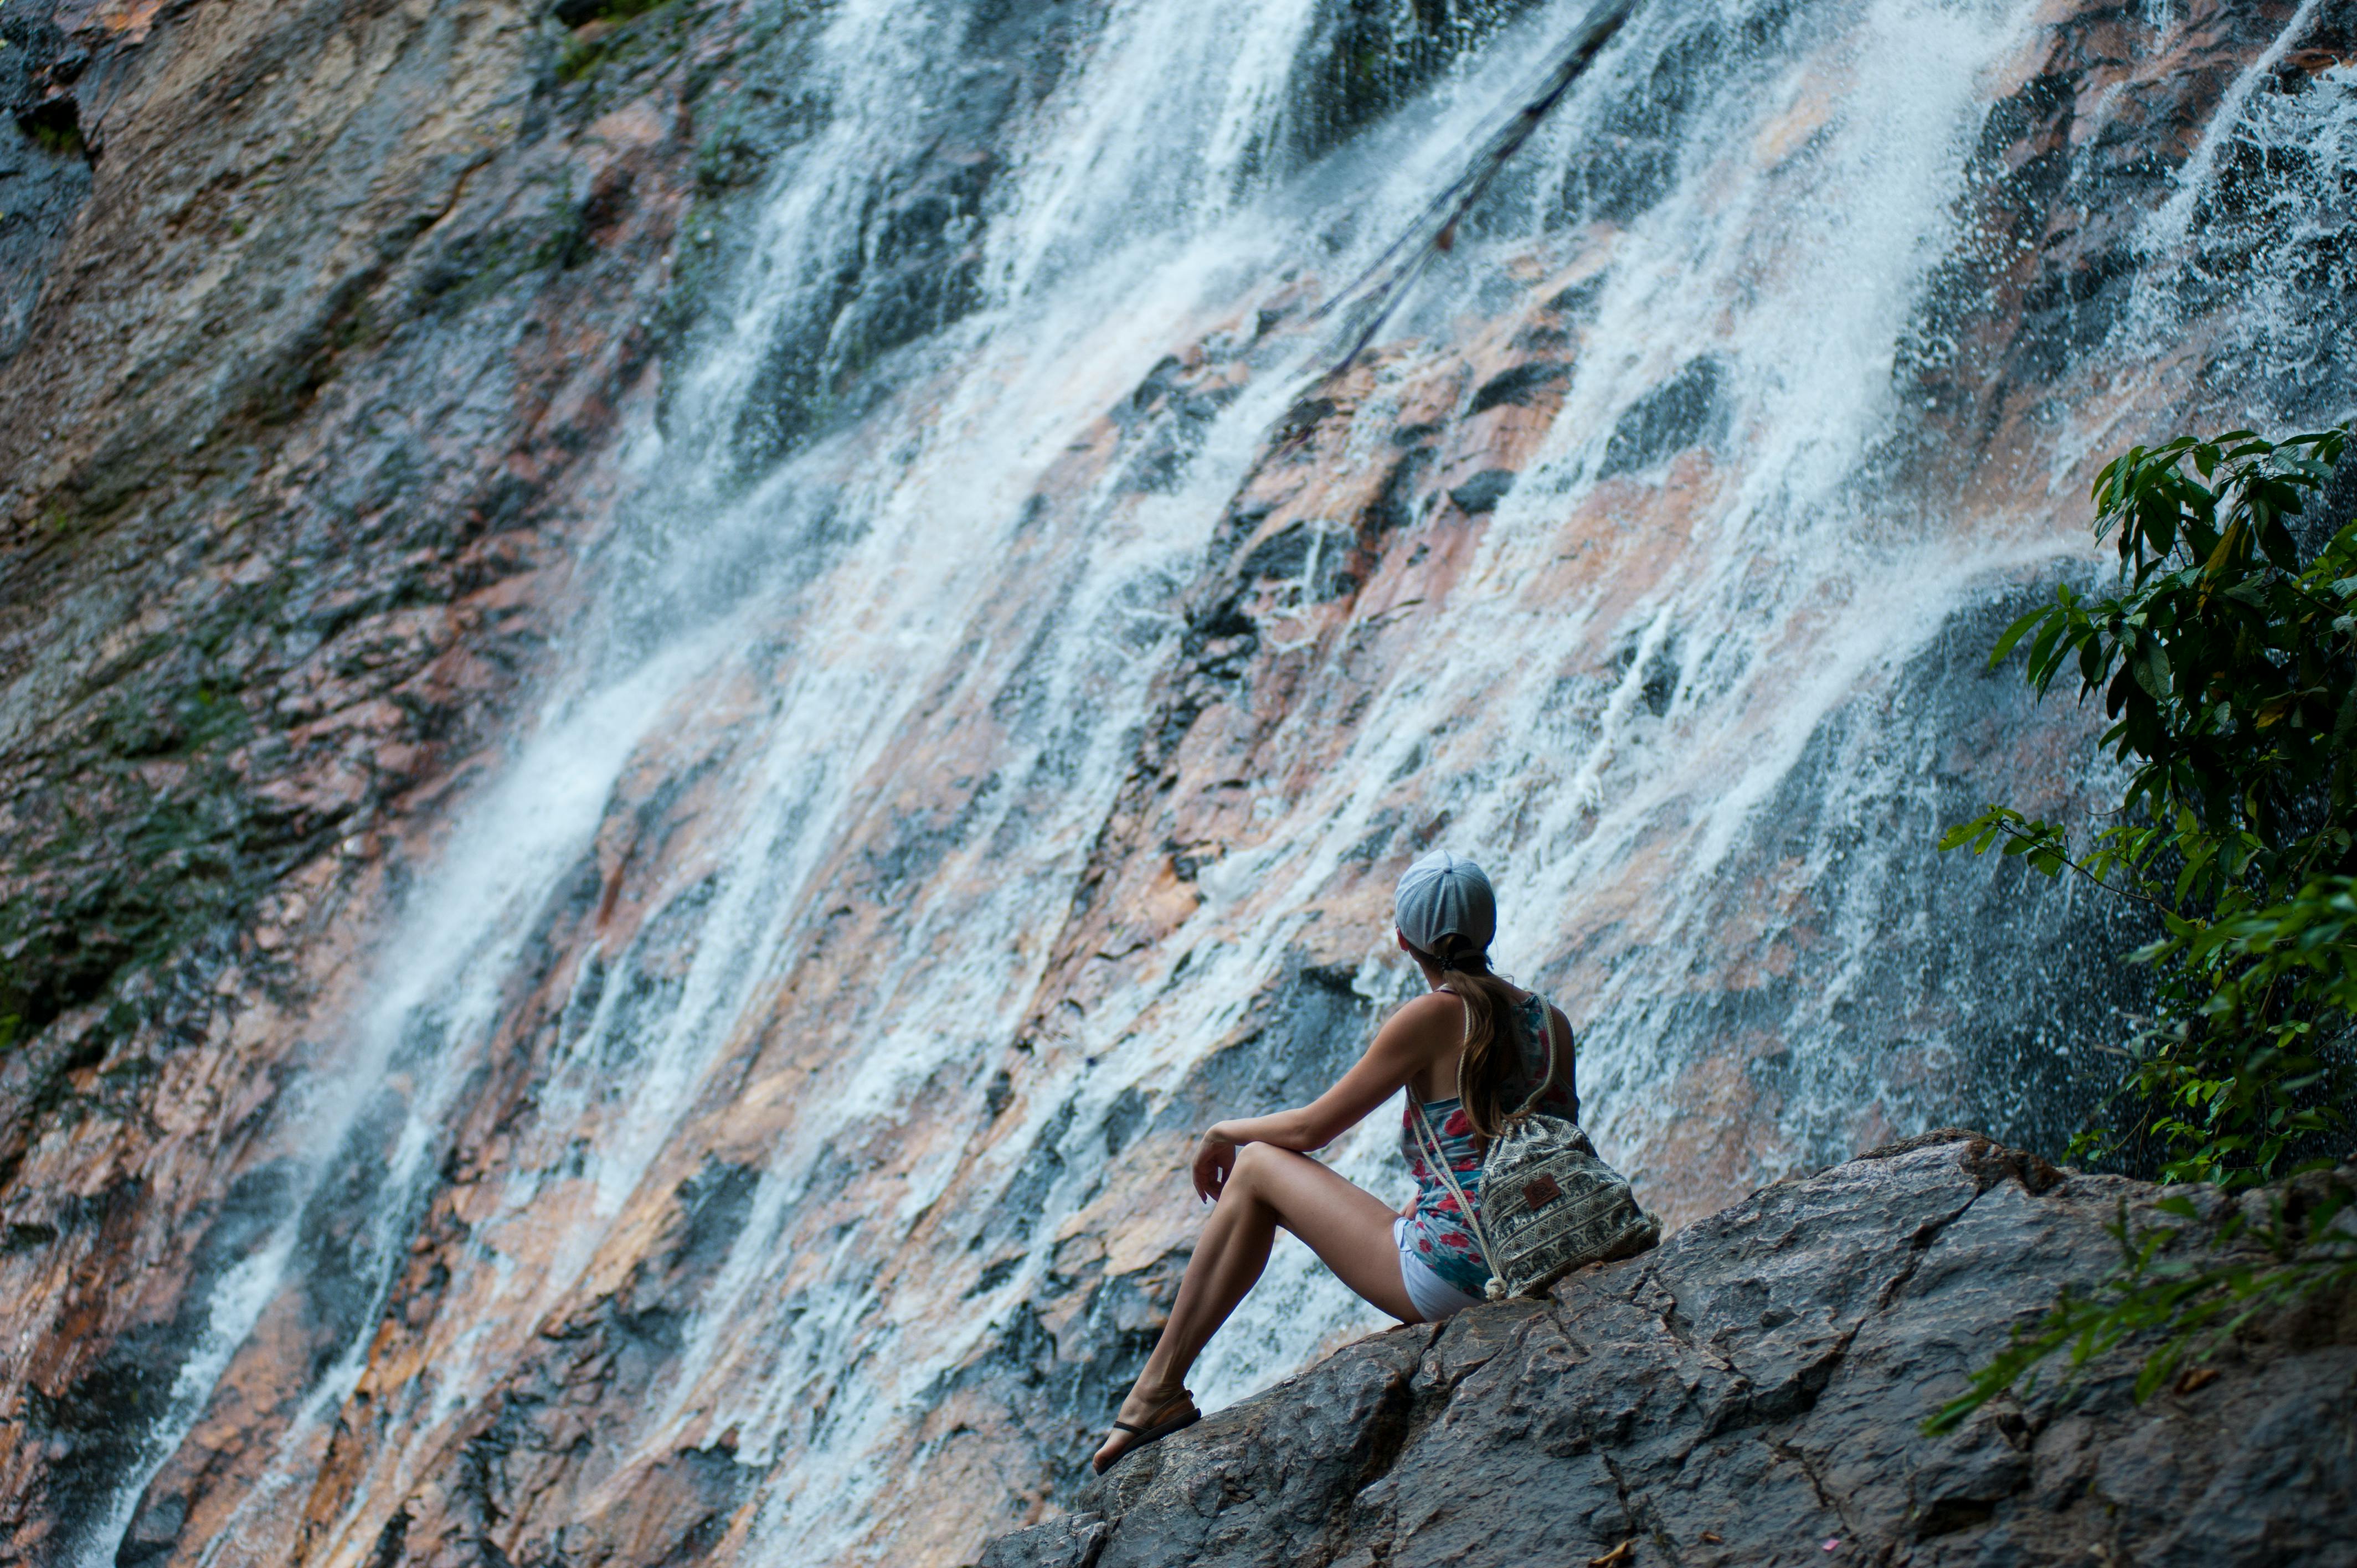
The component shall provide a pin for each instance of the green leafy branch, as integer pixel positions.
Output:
(2194, 1299)
(2263, 994)
(2225, 665)
(2228, 667)
(2039, 843)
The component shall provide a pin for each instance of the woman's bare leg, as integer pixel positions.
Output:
(1346, 1226)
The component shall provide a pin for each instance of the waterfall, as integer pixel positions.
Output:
(744, 1013)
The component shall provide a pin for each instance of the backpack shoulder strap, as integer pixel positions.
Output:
(1428, 1143)
(1547, 1031)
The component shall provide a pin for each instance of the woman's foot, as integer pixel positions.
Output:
(1147, 1416)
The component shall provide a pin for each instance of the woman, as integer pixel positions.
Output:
(1472, 1051)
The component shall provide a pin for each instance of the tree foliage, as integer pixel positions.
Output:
(2227, 662)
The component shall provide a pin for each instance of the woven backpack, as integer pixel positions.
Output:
(1548, 1204)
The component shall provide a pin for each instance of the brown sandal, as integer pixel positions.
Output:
(1154, 1430)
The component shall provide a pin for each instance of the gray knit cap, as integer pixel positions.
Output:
(1441, 893)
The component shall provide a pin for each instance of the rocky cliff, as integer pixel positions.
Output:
(320, 320)
(1753, 1393)
(680, 682)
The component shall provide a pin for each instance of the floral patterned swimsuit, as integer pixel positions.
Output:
(1438, 1230)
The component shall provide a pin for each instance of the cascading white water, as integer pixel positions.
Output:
(879, 629)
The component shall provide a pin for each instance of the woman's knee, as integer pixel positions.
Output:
(1257, 1162)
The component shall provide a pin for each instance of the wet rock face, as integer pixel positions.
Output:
(45, 159)
(316, 322)
(1753, 1393)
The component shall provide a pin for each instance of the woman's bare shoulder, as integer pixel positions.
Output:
(1439, 1015)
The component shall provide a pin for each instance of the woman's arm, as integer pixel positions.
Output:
(1413, 1039)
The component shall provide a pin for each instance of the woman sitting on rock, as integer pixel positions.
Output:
(1472, 1051)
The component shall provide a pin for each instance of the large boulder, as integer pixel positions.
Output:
(1754, 1392)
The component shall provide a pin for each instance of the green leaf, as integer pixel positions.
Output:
(2277, 541)
(2043, 644)
(2014, 633)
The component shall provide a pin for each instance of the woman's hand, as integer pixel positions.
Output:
(1215, 1156)
(1407, 1209)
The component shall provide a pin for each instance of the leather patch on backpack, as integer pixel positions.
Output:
(1539, 1192)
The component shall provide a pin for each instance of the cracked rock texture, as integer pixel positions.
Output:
(1752, 1393)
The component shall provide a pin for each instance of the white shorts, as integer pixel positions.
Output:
(1433, 1297)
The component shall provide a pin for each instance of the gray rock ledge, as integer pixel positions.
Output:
(1753, 1393)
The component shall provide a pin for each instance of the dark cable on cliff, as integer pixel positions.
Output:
(1434, 229)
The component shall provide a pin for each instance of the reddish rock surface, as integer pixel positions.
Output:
(307, 422)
